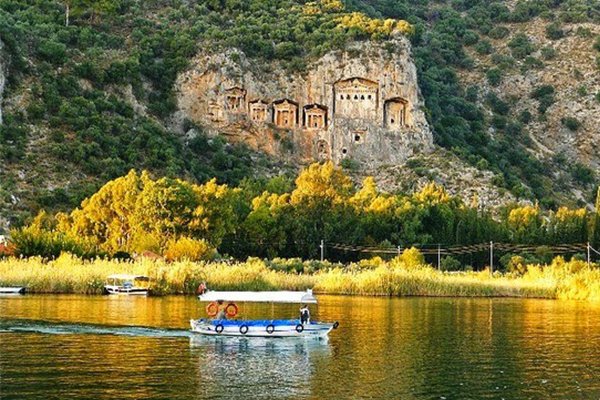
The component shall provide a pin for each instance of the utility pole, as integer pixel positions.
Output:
(491, 257)
(439, 258)
(589, 259)
(322, 246)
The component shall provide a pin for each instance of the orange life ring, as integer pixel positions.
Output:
(231, 310)
(212, 309)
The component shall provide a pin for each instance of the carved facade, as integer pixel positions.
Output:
(215, 112)
(285, 113)
(315, 116)
(356, 98)
(355, 108)
(395, 113)
(259, 111)
(235, 99)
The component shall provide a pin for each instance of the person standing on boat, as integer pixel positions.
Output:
(304, 315)
(221, 314)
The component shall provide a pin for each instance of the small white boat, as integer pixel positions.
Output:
(258, 328)
(12, 290)
(127, 284)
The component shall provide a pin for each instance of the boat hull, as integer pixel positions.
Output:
(262, 328)
(120, 290)
(12, 290)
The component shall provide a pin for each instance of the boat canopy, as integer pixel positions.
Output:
(129, 277)
(283, 296)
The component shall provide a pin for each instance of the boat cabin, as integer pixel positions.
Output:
(127, 284)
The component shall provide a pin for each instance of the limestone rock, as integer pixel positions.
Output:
(362, 103)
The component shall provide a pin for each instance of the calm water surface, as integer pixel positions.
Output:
(92, 347)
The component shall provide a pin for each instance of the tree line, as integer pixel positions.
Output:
(283, 218)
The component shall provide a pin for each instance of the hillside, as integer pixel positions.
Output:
(511, 89)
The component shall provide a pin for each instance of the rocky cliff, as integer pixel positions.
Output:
(361, 104)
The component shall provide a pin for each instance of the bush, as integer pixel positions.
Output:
(470, 38)
(497, 104)
(410, 259)
(545, 95)
(532, 63)
(520, 46)
(185, 248)
(583, 174)
(571, 123)
(484, 47)
(597, 43)
(554, 31)
(548, 53)
(494, 76)
(52, 51)
(525, 117)
(516, 265)
(450, 263)
(499, 32)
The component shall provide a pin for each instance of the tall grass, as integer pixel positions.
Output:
(399, 277)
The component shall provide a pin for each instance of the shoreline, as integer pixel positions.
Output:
(395, 278)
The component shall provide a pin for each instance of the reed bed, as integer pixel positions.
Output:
(68, 274)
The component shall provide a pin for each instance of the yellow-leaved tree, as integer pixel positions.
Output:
(525, 224)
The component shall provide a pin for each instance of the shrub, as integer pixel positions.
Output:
(525, 117)
(516, 265)
(554, 31)
(497, 104)
(185, 248)
(597, 43)
(52, 51)
(470, 38)
(494, 76)
(532, 63)
(410, 259)
(450, 263)
(484, 47)
(545, 95)
(571, 123)
(548, 53)
(520, 46)
(583, 174)
(499, 32)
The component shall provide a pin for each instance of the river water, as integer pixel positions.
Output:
(101, 347)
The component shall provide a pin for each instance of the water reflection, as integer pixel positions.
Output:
(257, 367)
(413, 348)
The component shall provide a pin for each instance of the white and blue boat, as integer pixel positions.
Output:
(127, 284)
(224, 304)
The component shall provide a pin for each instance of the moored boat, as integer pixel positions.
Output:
(127, 284)
(222, 326)
(10, 290)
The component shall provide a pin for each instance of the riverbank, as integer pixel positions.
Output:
(403, 276)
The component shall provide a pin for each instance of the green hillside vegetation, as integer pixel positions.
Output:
(181, 220)
(95, 95)
(75, 116)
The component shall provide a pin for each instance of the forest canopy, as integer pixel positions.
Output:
(136, 213)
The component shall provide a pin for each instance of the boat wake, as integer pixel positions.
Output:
(54, 328)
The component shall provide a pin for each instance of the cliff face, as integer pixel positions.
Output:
(363, 104)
